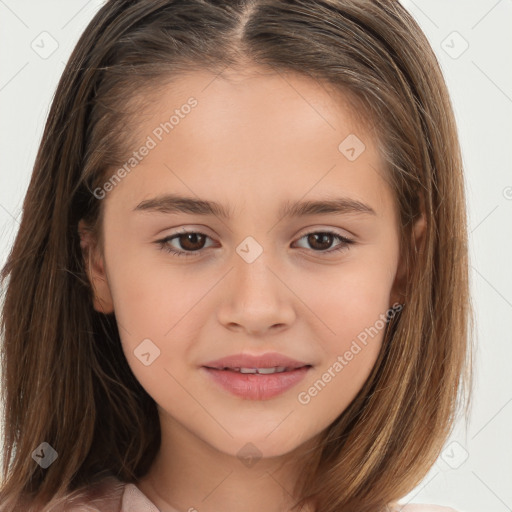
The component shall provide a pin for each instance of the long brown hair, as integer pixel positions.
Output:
(66, 381)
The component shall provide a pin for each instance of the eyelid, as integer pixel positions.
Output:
(195, 228)
(322, 229)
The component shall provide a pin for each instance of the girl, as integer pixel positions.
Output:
(241, 277)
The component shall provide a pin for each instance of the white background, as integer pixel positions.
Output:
(480, 83)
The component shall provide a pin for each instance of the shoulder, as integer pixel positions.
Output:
(419, 507)
(104, 496)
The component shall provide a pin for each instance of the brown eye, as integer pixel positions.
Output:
(321, 241)
(188, 243)
(191, 241)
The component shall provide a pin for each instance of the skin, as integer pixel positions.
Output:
(253, 141)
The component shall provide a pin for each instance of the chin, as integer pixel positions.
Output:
(259, 444)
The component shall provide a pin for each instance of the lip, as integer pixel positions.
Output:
(267, 360)
(256, 386)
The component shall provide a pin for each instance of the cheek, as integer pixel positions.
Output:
(335, 385)
(151, 296)
(346, 299)
(356, 319)
(165, 305)
(350, 309)
(154, 302)
(157, 316)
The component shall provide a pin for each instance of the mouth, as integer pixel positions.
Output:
(260, 371)
(269, 362)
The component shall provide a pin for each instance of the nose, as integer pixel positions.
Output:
(255, 299)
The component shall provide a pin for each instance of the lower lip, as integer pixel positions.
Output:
(253, 386)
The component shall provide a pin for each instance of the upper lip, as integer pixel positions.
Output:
(268, 360)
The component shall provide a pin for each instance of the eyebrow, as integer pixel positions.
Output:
(173, 203)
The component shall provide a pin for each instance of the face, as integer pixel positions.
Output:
(248, 279)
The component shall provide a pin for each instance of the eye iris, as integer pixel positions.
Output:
(312, 240)
(191, 238)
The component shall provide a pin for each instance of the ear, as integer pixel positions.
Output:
(95, 268)
(398, 290)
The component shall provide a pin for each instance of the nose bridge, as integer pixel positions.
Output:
(254, 298)
(253, 268)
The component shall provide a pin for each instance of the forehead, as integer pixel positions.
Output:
(256, 133)
(254, 93)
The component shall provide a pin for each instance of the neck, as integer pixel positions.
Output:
(189, 474)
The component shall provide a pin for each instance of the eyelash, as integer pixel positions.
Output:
(164, 243)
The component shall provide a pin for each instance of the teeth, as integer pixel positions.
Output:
(279, 369)
(264, 371)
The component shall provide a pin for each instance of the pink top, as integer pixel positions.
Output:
(112, 495)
